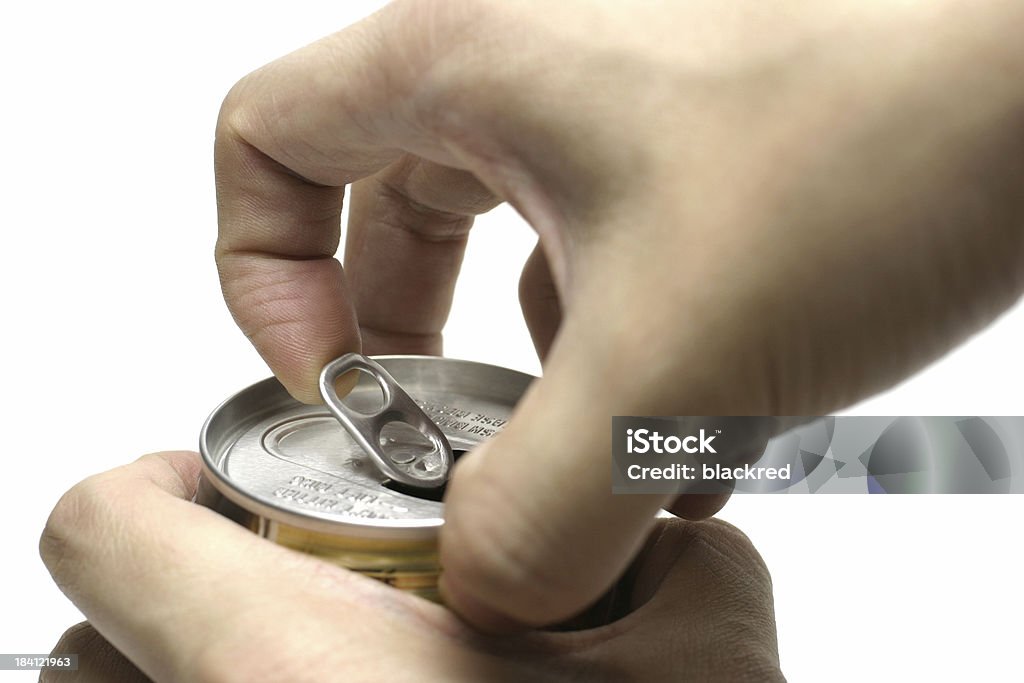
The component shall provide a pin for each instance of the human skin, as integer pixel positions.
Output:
(742, 208)
(175, 590)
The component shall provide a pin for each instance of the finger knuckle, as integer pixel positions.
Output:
(66, 531)
(236, 118)
(450, 91)
(56, 543)
(404, 214)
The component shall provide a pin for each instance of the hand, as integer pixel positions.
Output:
(187, 595)
(743, 208)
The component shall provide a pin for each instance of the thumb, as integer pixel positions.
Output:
(532, 532)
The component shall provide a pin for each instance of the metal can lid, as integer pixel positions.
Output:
(294, 463)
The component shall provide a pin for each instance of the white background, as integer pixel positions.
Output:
(116, 343)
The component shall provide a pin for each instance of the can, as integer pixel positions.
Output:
(292, 474)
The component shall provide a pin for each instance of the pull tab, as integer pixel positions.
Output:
(422, 470)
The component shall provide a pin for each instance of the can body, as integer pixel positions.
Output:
(290, 473)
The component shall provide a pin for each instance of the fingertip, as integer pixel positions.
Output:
(302, 394)
(304, 386)
(467, 560)
(492, 576)
(297, 313)
(525, 551)
(346, 383)
(176, 472)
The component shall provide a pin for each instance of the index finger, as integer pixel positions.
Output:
(290, 136)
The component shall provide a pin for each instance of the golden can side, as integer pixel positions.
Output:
(409, 565)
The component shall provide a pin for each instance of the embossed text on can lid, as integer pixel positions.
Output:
(295, 463)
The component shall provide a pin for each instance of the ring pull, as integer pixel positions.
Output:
(415, 468)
